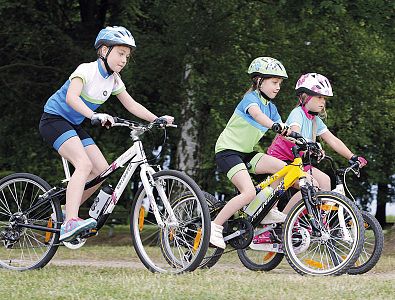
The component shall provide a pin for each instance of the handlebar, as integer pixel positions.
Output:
(119, 122)
(354, 167)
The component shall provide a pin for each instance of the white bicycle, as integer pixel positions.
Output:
(169, 218)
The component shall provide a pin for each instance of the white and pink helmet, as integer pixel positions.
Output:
(314, 84)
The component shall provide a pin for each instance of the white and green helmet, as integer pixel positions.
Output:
(267, 67)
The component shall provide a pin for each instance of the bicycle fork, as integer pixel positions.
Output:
(146, 175)
(307, 196)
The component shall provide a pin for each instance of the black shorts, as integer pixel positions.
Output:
(230, 161)
(55, 130)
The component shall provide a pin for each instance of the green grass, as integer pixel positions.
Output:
(390, 219)
(227, 280)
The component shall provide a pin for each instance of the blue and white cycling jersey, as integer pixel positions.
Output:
(98, 85)
(298, 117)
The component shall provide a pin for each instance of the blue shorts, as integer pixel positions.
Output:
(55, 130)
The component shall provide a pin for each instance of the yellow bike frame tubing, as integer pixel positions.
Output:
(290, 173)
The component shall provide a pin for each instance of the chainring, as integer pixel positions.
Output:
(244, 240)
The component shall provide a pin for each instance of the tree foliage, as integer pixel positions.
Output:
(351, 42)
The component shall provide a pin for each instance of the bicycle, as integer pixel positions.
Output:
(169, 219)
(322, 234)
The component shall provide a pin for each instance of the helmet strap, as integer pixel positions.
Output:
(104, 59)
(258, 87)
(309, 114)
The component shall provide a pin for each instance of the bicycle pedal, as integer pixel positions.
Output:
(88, 233)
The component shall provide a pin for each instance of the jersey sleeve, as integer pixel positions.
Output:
(321, 127)
(119, 86)
(295, 118)
(82, 72)
(248, 101)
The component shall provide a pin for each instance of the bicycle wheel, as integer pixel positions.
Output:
(26, 248)
(213, 253)
(372, 247)
(339, 242)
(256, 259)
(171, 248)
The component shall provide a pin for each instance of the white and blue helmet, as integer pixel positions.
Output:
(114, 35)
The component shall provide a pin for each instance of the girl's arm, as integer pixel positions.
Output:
(336, 144)
(73, 98)
(260, 117)
(135, 108)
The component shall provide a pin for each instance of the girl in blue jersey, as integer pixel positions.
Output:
(312, 89)
(253, 116)
(89, 86)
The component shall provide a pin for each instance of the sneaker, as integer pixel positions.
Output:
(74, 226)
(216, 237)
(274, 216)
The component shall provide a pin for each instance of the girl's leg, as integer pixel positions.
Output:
(269, 165)
(323, 180)
(74, 152)
(243, 183)
(99, 164)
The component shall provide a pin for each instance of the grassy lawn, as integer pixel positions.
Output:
(123, 276)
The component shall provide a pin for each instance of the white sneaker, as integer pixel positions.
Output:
(216, 237)
(274, 216)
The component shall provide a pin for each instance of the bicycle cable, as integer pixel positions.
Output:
(155, 157)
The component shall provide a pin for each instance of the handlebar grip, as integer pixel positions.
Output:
(118, 120)
(354, 164)
(95, 122)
(276, 128)
(295, 135)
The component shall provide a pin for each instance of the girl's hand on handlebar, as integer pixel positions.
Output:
(164, 120)
(105, 120)
(281, 128)
(358, 159)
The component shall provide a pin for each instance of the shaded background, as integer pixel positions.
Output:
(191, 62)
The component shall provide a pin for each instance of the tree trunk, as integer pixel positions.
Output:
(382, 198)
(187, 147)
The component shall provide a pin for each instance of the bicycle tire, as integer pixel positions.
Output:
(256, 260)
(213, 254)
(369, 257)
(171, 249)
(26, 248)
(324, 258)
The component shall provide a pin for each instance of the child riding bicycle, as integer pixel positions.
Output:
(88, 87)
(253, 116)
(312, 90)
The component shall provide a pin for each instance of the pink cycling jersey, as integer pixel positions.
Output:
(281, 148)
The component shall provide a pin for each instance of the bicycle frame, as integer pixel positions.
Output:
(136, 157)
(290, 173)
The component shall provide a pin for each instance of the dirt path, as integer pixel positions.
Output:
(220, 266)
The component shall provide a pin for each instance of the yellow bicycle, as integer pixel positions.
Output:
(323, 233)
